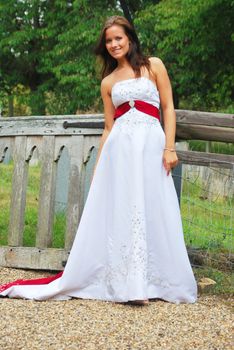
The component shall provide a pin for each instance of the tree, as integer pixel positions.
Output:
(46, 46)
(21, 48)
(72, 58)
(194, 38)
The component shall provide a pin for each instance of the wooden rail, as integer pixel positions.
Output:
(22, 136)
(193, 125)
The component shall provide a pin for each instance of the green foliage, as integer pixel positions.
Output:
(46, 46)
(194, 39)
(21, 48)
(74, 63)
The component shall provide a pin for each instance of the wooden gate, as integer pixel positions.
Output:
(21, 137)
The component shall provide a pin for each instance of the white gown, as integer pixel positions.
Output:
(129, 243)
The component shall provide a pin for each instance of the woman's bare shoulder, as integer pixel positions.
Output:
(107, 82)
(156, 64)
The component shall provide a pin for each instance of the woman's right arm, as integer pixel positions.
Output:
(109, 111)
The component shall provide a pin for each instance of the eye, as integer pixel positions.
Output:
(108, 41)
(118, 38)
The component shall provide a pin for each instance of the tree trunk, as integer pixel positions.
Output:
(126, 11)
(10, 105)
(176, 100)
(37, 102)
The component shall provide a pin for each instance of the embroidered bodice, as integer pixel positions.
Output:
(135, 89)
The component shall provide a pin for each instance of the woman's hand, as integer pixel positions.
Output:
(170, 160)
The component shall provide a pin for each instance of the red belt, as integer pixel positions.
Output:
(142, 106)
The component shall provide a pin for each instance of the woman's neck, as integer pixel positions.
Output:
(123, 63)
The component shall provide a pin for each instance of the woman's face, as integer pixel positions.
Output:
(117, 42)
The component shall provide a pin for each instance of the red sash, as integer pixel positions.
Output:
(142, 106)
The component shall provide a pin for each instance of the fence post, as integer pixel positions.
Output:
(18, 198)
(47, 193)
(74, 189)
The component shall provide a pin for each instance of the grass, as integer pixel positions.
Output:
(31, 211)
(5, 194)
(224, 280)
(207, 223)
(215, 147)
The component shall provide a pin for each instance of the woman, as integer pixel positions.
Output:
(129, 245)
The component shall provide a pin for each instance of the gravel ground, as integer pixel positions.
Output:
(98, 325)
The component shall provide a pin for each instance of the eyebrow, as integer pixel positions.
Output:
(115, 36)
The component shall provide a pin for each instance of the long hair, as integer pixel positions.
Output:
(134, 56)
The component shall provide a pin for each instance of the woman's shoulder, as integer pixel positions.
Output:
(107, 82)
(156, 65)
(156, 62)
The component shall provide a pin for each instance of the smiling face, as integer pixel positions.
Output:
(117, 42)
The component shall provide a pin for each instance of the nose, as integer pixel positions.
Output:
(113, 44)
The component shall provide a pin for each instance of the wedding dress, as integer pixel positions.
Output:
(129, 244)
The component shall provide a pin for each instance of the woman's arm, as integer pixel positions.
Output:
(109, 111)
(165, 91)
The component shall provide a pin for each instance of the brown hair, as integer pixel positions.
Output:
(134, 56)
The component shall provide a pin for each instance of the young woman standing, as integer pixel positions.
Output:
(129, 245)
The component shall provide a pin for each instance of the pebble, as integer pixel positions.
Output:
(100, 325)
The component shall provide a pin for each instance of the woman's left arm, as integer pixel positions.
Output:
(170, 158)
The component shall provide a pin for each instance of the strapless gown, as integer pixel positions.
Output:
(129, 243)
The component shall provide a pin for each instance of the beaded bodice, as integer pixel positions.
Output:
(135, 89)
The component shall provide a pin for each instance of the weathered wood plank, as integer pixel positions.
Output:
(204, 118)
(47, 193)
(33, 258)
(51, 125)
(6, 147)
(18, 194)
(92, 124)
(206, 159)
(81, 124)
(74, 190)
(202, 132)
(91, 146)
(33, 142)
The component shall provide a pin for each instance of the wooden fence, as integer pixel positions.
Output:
(49, 136)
